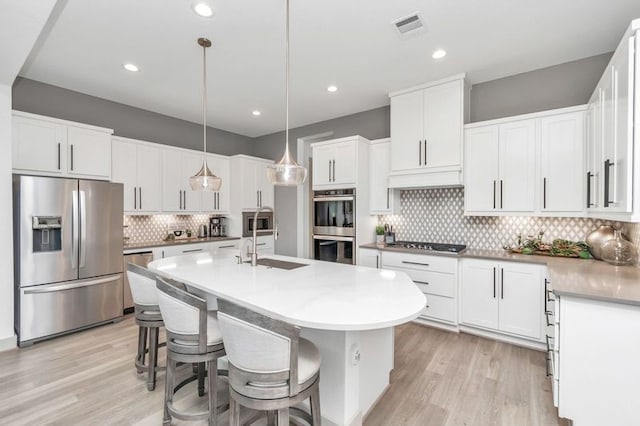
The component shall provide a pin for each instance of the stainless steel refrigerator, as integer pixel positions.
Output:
(67, 255)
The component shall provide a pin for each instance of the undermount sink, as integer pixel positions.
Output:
(280, 264)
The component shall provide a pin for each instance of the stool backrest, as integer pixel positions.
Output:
(184, 315)
(143, 285)
(262, 352)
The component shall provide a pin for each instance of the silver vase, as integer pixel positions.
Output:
(595, 239)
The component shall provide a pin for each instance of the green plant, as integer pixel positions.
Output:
(379, 230)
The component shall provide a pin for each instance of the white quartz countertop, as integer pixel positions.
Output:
(321, 295)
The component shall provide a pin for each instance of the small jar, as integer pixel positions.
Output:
(618, 251)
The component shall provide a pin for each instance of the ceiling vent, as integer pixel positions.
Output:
(409, 25)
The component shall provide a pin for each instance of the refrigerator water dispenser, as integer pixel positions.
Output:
(47, 233)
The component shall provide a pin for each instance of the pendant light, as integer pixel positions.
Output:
(286, 172)
(204, 180)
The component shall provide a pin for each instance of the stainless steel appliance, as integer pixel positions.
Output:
(217, 226)
(263, 223)
(334, 215)
(415, 245)
(67, 255)
(142, 258)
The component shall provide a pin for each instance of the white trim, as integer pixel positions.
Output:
(302, 223)
(455, 77)
(8, 343)
(247, 157)
(333, 141)
(526, 343)
(17, 113)
(577, 108)
(377, 141)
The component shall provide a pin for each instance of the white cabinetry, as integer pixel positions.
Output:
(138, 166)
(426, 134)
(251, 187)
(179, 250)
(530, 164)
(369, 258)
(437, 278)
(177, 167)
(382, 199)
(51, 147)
(335, 162)
(218, 201)
(503, 296)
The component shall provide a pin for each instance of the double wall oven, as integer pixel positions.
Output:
(334, 214)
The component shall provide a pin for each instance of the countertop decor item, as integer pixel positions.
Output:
(286, 172)
(596, 239)
(380, 234)
(204, 180)
(618, 251)
(558, 247)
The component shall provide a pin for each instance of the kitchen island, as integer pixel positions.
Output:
(348, 311)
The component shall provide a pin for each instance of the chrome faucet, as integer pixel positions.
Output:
(254, 253)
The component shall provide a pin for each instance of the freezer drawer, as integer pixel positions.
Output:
(47, 310)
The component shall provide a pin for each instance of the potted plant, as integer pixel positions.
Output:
(379, 234)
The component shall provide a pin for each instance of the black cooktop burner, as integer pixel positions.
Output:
(451, 248)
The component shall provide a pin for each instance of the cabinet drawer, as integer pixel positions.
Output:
(441, 308)
(432, 282)
(420, 262)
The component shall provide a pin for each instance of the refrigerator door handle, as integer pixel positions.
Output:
(53, 288)
(74, 229)
(83, 228)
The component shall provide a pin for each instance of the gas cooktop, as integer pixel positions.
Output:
(414, 245)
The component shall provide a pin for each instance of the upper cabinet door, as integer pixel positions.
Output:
(521, 296)
(379, 193)
(39, 146)
(481, 169)
(264, 185)
(217, 201)
(124, 170)
(323, 157)
(345, 163)
(594, 153)
(407, 125)
(192, 200)
(89, 153)
(562, 179)
(517, 166)
(249, 186)
(172, 185)
(443, 125)
(149, 179)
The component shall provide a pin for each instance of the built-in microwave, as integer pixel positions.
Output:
(264, 222)
(334, 212)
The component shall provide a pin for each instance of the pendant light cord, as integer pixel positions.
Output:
(204, 95)
(286, 137)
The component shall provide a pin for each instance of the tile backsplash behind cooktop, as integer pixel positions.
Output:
(436, 215)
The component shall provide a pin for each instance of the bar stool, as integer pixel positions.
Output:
(148, 318)
(193, 337)
(271, 368)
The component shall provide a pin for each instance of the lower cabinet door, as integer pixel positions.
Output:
(479, 293)
(440, 308)
(521, 298)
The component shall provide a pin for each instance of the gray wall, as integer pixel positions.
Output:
(372, 124)
(40, 98)
(559, 86)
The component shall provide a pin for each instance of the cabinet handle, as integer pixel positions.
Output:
(425, 152)
(388, 190)
(421, 282)
(494, 194)
(180, 198)
(607, 169)
(71, 157)
(494, 282)
(414, 263)
(377, 261)
(58, 155)
(227, 246)
(140, 196)
(260, 198)
(329, 170)
(257, 199)
(589, 176)
(334, 170)
(184, 196)
(500, 193)
(191, 251)
(501, 283)
(163, 254)
(420, 153)
(261, 244)
(544, 193)
(135, 198)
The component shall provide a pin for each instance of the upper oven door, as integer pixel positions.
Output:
(334, 215)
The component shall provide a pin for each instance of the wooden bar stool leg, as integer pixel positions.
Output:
(212, 376)
(168, 390)
(153, 358)
(234, 412)
(271, 418)
(283, 417)
(201, 372)
(142, 338)
(315, 407)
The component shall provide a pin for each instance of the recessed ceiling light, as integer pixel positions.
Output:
(256, 113)
(131, 67)
(332, 89)
(203, 9)
(439, 54)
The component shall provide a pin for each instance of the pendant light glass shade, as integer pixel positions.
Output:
(204, 180)
(286, 172)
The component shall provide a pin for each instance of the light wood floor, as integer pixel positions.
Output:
(440, 379)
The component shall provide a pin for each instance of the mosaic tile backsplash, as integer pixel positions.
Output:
(140, 229)
(436, 215)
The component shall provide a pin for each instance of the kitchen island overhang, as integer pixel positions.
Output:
(348, 311)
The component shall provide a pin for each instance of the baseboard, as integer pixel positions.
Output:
(436, 324)
(530, 344)
(8, 343)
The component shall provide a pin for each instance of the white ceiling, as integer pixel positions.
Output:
(347, 43)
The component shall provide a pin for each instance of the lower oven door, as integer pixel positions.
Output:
(333, 249)
(50, 309)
